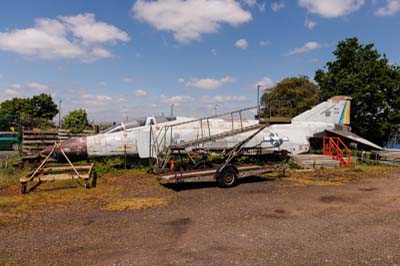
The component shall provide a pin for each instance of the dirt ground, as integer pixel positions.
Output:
(330, 217)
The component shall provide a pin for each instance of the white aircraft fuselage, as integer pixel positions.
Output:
(134, 140)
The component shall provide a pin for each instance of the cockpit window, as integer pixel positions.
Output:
(138, 123)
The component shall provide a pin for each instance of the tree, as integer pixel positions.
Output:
(37, 111)
(16, 106)
(300, 92)
(361, 72)
(76, 121)
(43, 106)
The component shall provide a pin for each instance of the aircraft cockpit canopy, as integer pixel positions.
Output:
(151, 120)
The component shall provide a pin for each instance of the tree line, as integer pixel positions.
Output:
(38, 112)
(358, 71)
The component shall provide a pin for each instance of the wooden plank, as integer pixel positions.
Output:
(43, 141)
(44, 132)
(54, 177)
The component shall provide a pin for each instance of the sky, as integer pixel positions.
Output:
(125, 59)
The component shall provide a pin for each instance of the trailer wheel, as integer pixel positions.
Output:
(227, 177)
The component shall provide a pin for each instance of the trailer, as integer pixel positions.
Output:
(162, 149)
(227, 175)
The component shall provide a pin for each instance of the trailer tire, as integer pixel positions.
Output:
(227, 176)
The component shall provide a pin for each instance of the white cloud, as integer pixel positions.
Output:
(241, 43)
(89, 99)
(127, 80)
(390, 9)
(99, 53)
(308, 46)
(223, 99)
(309, 24)
(65, 37)
(264, 43)
(189, 19)
(23, 90)
(214, 52)
(140, 93)
(177, 100)
(250, 2)
(261, 7)
(37, 86)
(265, 83)
(276, 6)
(206, 83)
(102, 84)
(85, 27)
(15, 86)
(330, 8)
(11, 92)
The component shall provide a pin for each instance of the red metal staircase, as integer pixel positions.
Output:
(335, 147)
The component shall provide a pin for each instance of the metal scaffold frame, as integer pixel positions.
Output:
(162, 145)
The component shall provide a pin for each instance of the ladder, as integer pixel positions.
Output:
(335, 147)
(162, 143)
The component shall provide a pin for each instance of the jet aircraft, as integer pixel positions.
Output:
(331, 117)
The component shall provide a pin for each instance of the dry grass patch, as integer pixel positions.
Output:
(136, 203)
(50, 195)
(338, 176)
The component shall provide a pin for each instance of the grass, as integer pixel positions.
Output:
(5, 261)
(136, 203)
(337, 177)
(113, 186)
(134, 189)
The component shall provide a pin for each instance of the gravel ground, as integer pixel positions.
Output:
(259, 222)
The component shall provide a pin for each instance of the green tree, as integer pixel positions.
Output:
(16, 106)
(43, 106)
(361, 72)
(299, 92)
(37, 111)
(76, 121)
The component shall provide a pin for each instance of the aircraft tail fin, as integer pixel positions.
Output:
(336, 110)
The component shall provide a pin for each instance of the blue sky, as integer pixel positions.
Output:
(123, 58)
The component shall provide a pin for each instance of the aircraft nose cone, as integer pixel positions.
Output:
(75, 148)
(46, 151)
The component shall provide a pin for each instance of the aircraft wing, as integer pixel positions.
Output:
(351, 136)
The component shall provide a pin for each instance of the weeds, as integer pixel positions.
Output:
(294, 165)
